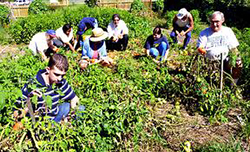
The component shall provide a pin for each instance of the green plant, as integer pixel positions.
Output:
(38, 7)
(4, 15)
(137, 5)
(158, 5)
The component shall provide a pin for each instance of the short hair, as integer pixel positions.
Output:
(157, 30)
(60, 61)
(66, 27)
(217, 13)
(116, 16)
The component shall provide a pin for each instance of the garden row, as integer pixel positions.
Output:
(117, 99)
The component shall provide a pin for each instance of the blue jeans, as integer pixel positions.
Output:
(64, 109)
(173, 35)
(160, 50)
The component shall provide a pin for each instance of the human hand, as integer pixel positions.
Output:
(17, 115)
(56, 49)
(83, 64)
(120, 36)
(182, 33)
(202, 51)
(178, 34)
(147, 52)
(239, 63)
(35, 92)
(114, 38)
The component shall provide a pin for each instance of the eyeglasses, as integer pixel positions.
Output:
(56, 74)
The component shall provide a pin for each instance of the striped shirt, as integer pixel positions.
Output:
(61, 91)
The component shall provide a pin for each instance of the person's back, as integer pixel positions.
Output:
(38, 42)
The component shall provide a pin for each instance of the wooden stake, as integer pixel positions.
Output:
(221, 75)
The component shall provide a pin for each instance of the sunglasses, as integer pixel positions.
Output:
(56, 74)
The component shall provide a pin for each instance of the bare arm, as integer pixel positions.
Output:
(191, 21)
(74, 102)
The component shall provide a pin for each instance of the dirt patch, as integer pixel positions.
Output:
(11, 49)
(196, 129)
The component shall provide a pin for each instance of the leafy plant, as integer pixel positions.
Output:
(4, 15)
(38, 7)
(137, 5)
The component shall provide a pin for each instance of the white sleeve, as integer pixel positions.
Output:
(202, 40)
(110, 31)
(124, 27)
(233, 42)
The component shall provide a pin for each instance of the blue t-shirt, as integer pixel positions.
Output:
(61, 91)
(150, 42)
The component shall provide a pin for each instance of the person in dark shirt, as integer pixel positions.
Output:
(157, 45)
(85, 24)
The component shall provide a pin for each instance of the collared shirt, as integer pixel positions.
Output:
(61, 91)
(216, 43)
(115, 31)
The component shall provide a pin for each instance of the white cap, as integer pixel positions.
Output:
(182, 12)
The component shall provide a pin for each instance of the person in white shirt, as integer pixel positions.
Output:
(183, 24)
(117, 34)
(65, 37)
(218, 40)
(41, 44)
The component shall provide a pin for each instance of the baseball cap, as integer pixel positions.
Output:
(51, 33)
(81, 29)
(182, 12)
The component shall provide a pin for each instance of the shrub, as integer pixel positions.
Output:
(37, 7)
(23, 29)
(137, 5)
(4, 15)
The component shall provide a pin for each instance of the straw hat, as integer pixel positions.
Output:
(98, 35)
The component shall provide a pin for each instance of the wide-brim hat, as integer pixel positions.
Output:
(98, 35)
(182, 12)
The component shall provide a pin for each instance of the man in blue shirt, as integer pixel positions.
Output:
(49, 82)
(85, 24)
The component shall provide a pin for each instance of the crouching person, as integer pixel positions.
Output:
(42, 44)
(157, 45)
(50, 82)
(94, 49)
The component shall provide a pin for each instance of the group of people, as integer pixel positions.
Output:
(212, 42)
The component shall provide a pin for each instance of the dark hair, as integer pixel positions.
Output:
(60, 61)
(115, 16)
(157, 30)
(66, 27)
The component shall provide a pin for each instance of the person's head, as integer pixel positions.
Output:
(182, 14)
(98, 35)
(67, 29)
(216, 21)
(116, 19)
(51, 33)
(157, 33)
(82, 27)
(57, 68)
